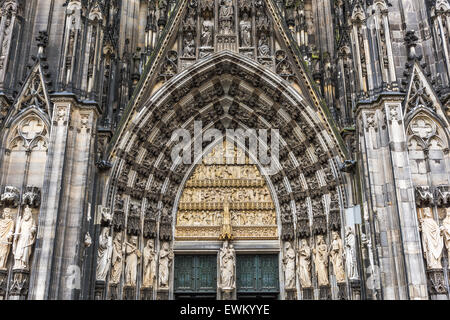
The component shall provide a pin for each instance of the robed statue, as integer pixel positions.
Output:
(24, 240)
(6, 236)
(227, 266)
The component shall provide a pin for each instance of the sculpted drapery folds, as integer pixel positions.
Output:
(350, 253)
(321, 261)
(149, 257)
(289, 266)
(336, 257)
(165, 261)
(24, 240)
(116, 260)
(432, 241)
(446, 231)
(6, 236)
(105, 247)
(227, 266)
(304, 264)
(207, 33)
(131, 262)
(246, 31)
(263, 46)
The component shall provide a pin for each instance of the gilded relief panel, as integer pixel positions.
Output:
(226, 198)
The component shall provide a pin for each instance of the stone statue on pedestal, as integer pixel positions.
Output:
(246, 31)
(304, 264)
(350, 253)
(446, 231)
(321, 261)
(132, 259)
(24, 240)
(289, 266)
(165, 261)
(227, 267)
(149, 264)
(432, 241)
(336, 257)
(116, 260)
(6, 236)
(103, 254)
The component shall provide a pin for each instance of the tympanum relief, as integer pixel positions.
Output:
(226, 189)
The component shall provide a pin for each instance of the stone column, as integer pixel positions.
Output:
(405, 202)
(391, 200)
(56, 268)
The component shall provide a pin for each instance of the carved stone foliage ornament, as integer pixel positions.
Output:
(436, 282)
(424, 196)
(10, 197)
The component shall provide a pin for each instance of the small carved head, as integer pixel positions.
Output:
(287, 246)
(6, 213)
(27, 213)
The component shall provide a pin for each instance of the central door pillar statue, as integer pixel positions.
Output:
(227, 281)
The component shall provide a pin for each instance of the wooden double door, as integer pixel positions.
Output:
(257, 277)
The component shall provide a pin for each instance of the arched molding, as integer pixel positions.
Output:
(308, 156)
(441, 126)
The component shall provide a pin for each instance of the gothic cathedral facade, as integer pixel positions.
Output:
(350, 98)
